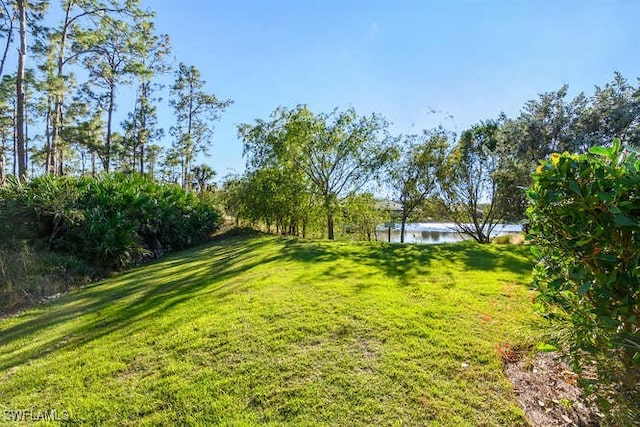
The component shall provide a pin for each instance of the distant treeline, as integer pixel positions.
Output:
(310, 173)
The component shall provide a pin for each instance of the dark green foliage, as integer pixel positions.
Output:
(585, 223)
(110, 222)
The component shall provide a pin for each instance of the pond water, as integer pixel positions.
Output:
(435, 232)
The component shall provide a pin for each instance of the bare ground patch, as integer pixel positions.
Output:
(548, 391)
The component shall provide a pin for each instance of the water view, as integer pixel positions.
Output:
(435, 232)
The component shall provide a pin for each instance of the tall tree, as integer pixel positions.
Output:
(141, 128)
(196, 110)
(141, 125)
(170, 167)
(471, 182)
(72, 40)
(615, 112)
(414, 176)
(338, 153)
(546, 124)
(152, 153)
(7, 121)
(28, 14)
(108, 67)
(555, 123)
(83, 133)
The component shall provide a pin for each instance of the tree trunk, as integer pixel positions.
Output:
(15, 139)
(82, 162)
(56, 127)
(48, 131)
(2, 166)
(60, 162)
(330, 225)
(188, 147)
(402, 227)
(20, 95)
(327, 206)
(143, 123)
(26, 133)
(107, 155)
(15, 150)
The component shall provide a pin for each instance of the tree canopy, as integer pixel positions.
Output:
(338, 153)
(414, 176)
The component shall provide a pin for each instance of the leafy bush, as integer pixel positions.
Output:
(585, 223)
(110, 222)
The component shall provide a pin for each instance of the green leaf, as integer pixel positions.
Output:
(600, 151)
(546, 347)
(624, 221)
(583, 242)
(584, 288)
(535, 251)
(575, 187)
(607, 258)
(616, 146)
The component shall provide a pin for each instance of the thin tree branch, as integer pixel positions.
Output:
(9, 36)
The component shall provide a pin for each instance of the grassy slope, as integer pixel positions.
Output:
(266, 330)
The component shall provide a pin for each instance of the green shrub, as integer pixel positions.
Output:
(585, 225)
(110, 222)
(38, 211)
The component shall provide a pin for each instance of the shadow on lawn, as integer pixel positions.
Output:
(130, 297)
(406, 261)
(125, 300)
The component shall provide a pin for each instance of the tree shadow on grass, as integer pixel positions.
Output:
(125, 300)
(405, 262)
(132, 297)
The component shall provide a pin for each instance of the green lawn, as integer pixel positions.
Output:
(267, 330)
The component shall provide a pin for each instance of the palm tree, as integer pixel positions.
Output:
(202, 176)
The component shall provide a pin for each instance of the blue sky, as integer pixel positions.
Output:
(418, 63)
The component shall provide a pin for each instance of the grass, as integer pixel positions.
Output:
(267, 330)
